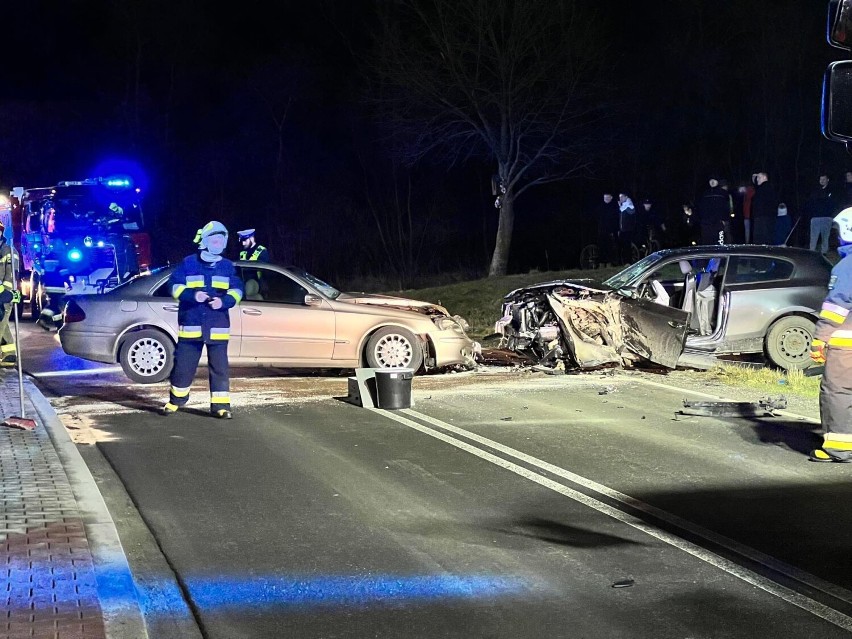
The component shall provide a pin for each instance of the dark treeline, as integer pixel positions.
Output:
(260, 121)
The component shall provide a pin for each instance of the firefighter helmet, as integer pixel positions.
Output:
(211, 228)
(844, 225)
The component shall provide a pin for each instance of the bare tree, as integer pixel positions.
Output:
(511, 82)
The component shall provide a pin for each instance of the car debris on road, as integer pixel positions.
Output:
(762, 407)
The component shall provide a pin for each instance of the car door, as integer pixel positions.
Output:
(278, 324)
(165, 308)
(654, 331)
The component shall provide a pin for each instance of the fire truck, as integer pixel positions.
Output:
(79, 237)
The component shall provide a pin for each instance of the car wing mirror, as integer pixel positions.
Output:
(313, 300)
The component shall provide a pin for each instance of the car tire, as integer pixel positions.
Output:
(147, 356)
(788, 342)
(394, 347)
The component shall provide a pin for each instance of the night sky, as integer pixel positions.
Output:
(258, 114)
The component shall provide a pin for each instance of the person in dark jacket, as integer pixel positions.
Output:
(606, 216)
(764, 210)
(714, 211)
(832, 346)
(818, 214)
(206, 285)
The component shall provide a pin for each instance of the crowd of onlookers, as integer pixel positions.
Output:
(752, 213)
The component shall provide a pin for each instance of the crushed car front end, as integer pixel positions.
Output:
(571, 325)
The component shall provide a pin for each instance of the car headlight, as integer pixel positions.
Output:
(447, 324)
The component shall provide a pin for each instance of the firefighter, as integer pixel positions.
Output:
(252, 251)
(9, 295)
(832, 346)
(206, 285)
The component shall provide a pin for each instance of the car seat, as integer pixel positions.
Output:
(253, 291)
(705, 297)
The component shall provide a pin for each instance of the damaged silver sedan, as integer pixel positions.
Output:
(573, 325)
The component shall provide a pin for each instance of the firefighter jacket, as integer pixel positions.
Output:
(834, 327)
(6, 273)
(259, 254)
(197, 321)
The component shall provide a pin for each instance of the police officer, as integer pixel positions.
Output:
(206, 285)
(252, 251)
(8, 296)
(832, 346)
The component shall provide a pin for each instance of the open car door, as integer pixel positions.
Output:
(654, 331)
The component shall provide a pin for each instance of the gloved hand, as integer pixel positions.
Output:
(201, 297)
(16, 297)
(818, 352)
(215, 303)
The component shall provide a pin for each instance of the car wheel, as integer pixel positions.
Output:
(788, 342)
(394, 347)
(147, 356)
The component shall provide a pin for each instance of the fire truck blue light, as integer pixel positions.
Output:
(75, 255)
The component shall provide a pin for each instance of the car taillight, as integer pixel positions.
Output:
(73, 313)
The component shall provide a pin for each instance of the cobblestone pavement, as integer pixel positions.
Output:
(49, 582)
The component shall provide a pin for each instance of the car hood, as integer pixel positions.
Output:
(590, 285)
(389, 301)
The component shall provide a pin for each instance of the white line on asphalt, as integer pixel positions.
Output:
(85, 371)
(797, 599)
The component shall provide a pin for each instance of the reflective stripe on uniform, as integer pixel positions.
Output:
(220, 333)
(8, 284)
(836, 444)
(257, 252)
(220, 397)
(841, 339)
(189, 331)
(180, 392)
(236, 294)
(8, 348)
(833, 312)
(221, 282)
(177, 289)
(195, 281)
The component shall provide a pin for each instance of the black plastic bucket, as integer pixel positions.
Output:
(393, 387)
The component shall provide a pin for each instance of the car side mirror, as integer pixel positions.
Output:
(837, 102)
(313, 300)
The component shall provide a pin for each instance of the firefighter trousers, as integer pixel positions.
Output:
(7, 340)
(187, 355)
(835, 403)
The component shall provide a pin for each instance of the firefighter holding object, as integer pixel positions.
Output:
(832, 346)
(8, 296)
(206, 285)
(252, 251)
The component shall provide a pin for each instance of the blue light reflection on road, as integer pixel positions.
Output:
(354, 591)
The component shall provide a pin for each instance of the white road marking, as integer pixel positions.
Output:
(85, 371)
(805, 603)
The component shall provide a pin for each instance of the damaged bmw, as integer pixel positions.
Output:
(714, 300)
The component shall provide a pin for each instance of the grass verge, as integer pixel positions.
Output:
(768, 380)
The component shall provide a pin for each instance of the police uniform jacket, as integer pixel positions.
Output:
(258, 254)
(835, 322)
(197, 321)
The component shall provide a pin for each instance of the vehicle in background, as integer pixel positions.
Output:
(739, 299)
(288, 318)
(79, 237)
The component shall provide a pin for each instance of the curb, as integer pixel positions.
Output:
(117, 592)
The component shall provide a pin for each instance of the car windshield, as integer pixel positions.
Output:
(623, 278)
(327, 289)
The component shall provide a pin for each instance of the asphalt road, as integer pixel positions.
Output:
(503, 504)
